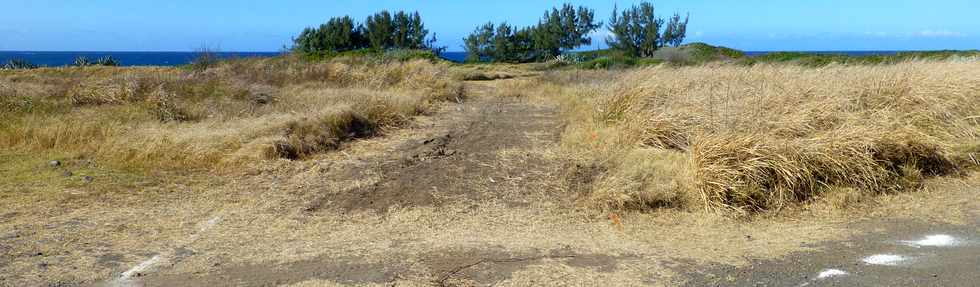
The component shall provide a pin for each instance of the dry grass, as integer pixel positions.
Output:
(758, 138)
(233, 113)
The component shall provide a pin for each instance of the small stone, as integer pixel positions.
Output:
(54, 163)
(67, 173)
(87, 179)
(261, 98)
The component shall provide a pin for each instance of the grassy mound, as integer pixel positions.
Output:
(757, 138)
(823, 59)
(227, 114)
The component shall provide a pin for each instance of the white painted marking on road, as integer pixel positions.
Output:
(938, 240)
(125, 279)
(831, 273)
(143, 266)
(885, 259)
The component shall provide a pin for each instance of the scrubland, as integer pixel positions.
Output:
(285, 170)
(742, 140)
(217, 117)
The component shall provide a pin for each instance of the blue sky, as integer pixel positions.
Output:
(245, 25)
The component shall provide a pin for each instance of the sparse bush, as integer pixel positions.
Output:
(327, 132)
(107, 61)
(11, 101)
(82, 61)
(205, 58)
(675, 56)
(165, 107)
(103, 92)
(16, 64)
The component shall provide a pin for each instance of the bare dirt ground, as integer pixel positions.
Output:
(477, 194)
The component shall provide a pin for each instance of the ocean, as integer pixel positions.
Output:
(55, 59)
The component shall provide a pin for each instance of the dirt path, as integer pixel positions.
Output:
(485, 152)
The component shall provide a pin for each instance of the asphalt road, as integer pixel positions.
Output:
(893, 253)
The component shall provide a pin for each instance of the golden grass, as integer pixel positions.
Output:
(222, 117)
(767, 136)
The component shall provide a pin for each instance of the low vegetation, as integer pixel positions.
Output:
(232, 113)
(824, 59)
(763, 137)
(16, 64)
(83, 61)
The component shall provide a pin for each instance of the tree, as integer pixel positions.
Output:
(431, 45)
(339, 34)
(637, 30)
(417, 33)
(564, 29)
(557, 31)
(479, 44)
(676, 31)
(379, 30)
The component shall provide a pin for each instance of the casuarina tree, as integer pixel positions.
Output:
(637, 31)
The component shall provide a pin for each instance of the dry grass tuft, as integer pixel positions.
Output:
(224, 116)
(769, 136)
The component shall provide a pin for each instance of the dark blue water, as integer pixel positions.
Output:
(54, 59)
(457, 57)
(460, 57)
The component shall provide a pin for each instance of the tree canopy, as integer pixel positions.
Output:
(557, 31)
(637, 31)
(381, 31)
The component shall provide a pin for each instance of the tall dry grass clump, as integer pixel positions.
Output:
(763, 137)
(225, 115)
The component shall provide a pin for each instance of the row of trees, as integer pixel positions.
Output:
(558, 30)
(381, 31)
(636, 32)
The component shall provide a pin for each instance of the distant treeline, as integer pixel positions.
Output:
(381, 31)
(635, 32)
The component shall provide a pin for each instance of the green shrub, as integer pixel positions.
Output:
(82, 61)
